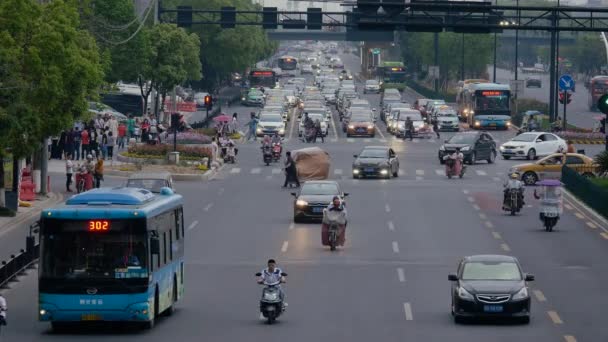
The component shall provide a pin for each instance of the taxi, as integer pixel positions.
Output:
(550, 167)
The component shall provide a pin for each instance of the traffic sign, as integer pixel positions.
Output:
(602, 104)
(376, 51)
(566, 82)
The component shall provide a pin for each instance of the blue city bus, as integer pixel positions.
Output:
(487, 105)
(111, 254)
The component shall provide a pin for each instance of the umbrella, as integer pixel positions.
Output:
(222, 118)
(599, 117)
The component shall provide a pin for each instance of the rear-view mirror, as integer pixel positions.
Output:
(452, 277)
(538, 140)
(258, 274)
(283, 274)
(294, 194)
(529, 277)
(345, 194)
(355, 156)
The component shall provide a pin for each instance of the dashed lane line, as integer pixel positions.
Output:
(539, 296)
(383, 138)
(439, 172)
(482, 216)
(569, 338)
(285, 246)
(496, 235)
(591, 225)
(387, 208)
(407, 307)
(391, 225)
(395, 247)
(208, 206)
(579, 215)
(465, 191)
(235, 170)
(420, 172)
(192, 225)
(481, 173)
(505, 247)
(568, 206)
(471, 199)
(401, 172)
(555, 317)
(400, 275)
(604, 235)
(489, 224)
(292, 226)
(476, 207)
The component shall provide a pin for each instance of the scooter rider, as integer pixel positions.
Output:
(514, 183)
(276, 138)
(272, 275)
(3, 309)
(337, 205)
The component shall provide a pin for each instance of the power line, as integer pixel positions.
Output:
(123, 27)
(141, 25)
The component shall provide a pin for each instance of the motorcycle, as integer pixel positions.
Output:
(276, 151)
(513, 201)
(551, 203)
(454, 167)
(271, 303)
(333, 230)
(267, 154)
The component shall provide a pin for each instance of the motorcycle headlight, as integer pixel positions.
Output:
(521, 294)
(471, 112)
(464, 294)
(301, 203)
(466, 148)
(271, 296)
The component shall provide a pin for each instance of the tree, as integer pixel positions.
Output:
(49, 68)
(171, 59)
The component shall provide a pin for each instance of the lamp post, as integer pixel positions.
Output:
(462, 60)
(517, 43)
(494, 76)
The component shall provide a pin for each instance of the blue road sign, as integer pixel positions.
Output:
(566, 82)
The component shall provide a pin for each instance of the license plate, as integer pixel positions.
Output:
(317, 210)
(369, 169)
(493, 124)
(492, 308)
(360, 130)
(90, 317)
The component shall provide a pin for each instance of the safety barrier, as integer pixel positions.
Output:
(17, 263)
(590, 193)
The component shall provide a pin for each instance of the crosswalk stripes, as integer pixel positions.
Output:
(276, 171)
(256, 171)
(401, 172)
(481, 172)
(350, 140)
(367, 140)
(420, 172)
(439, 172)
(235, 170)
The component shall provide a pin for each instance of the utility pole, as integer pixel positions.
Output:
(462, 60)
(517, 43)
(436, 42)
(154, 95)
(552, 69)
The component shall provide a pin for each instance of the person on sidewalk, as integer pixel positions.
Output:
(130, 128)
(570, 148)
(122, 135)
(85, 141)
(111, 139)
(98, 172)
(69, 171)
(76, 143)
(69, 142)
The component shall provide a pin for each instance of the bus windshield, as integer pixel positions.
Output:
(262, 78)
(492, 100)
(73, 251)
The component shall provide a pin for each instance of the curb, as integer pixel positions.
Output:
(599, 217)
(176, 176)
(53, 199)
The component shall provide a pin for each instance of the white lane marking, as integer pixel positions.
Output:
(482, 216)
(489, 224)
(420, 172)
(235, 170)
(208, 206)
(350, 140)
(569, 338)
(395, 247)
(338, 171)
(381, 134)
(284, 247)
(192, 225)
(382, 140)
(505, 247)
(471, 199)
(401, 275)
(579, 215)
(591, 225)
(401, 172)
(476, 207)
(481, 173)
(439, 172)
(432, 141)
(568, 206)
(604, 235)
(555, 317)
(256, 170)
(269, 177)
(276, 171)
(387, 208)
(391, 225)
(292, 226)
(262, 317)
(367, 140)
(496, 179)
(407, 307)
(333, 127)
(466, 192)
(496, 235)
(539, 295)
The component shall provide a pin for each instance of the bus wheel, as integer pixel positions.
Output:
(171, 308)
(59, 327)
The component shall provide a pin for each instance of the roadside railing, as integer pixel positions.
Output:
(577, 182)
(18, 263)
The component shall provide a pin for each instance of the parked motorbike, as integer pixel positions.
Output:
(271, 303)
(276, 152)
(513, 203)
(267, 154)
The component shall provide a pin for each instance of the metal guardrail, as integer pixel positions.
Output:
(19, 262)
(592, 194)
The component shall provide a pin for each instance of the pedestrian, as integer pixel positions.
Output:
(252, 124)
(69, 142)
(318, 132)
(214, 152)
(69, 171)
(130, 128)
(98, 172)
(62, 144)
(85, 141)
(111, 142)
(570, 148)
(93, 141)
(113, 125)
(122, 135)
(409, 128)
(291, 172)
(103, 143)
(145, 130)
(436, 128)
(76, 144)
(234, 123)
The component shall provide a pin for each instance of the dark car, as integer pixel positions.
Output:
(473, 145)
(490, 286)
(376, 161)
(314, 196)
(534, 82)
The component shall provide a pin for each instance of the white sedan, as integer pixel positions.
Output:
(533, 144)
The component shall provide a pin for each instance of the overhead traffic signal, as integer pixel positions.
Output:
(208, 101)
(184, 16)
(602, 104)
(565, 95)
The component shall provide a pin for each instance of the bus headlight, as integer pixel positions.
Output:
(370, 126)
(508, 123)
(351, 126)
(477, 123)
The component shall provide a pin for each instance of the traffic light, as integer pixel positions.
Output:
(602, 104)
(208, 101)
(184, 16)
(228, 17)
(566, 95)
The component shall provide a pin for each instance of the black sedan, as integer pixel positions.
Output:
(490, 286)
(473, 145)
(315, 196)
(376, 161)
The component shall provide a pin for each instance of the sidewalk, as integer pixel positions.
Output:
(24, 214)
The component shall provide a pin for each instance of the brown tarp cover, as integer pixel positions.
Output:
(312, 163)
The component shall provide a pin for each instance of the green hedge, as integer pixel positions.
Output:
(594, 195)
(429, 93)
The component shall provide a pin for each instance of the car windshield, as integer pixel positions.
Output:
(271, 118)
(449, 114)
(373, 153)
(413, 117)
(153, 185)
(315, 116)
(525, 137)
(319, 189)
(491, 271)
(462, 139)
(255, 93)
(371, 82)
(360, 118)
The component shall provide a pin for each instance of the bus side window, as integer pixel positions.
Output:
(181, 220)
(164, 248)
(177, 219)
(170, 245)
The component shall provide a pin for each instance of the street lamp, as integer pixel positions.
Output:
(517, 43)
(462, 60)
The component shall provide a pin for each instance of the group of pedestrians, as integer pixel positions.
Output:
(90, 172)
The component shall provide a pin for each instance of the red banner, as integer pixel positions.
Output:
(181, 106)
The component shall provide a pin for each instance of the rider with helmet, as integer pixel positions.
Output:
(513, 183)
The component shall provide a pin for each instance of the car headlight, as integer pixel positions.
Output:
(464, 294)
(465, 148)
(502, 148)
(351, 126)
(466, 111)
(521, 294)
(242, 99)
(301, 203)
(383, 172)
(356, 171)
(471, 112)
(477, 123)
(281, 131)
(370, 126)
(259, 130)
(508, 123)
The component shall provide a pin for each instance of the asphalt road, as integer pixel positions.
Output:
(389, 283)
